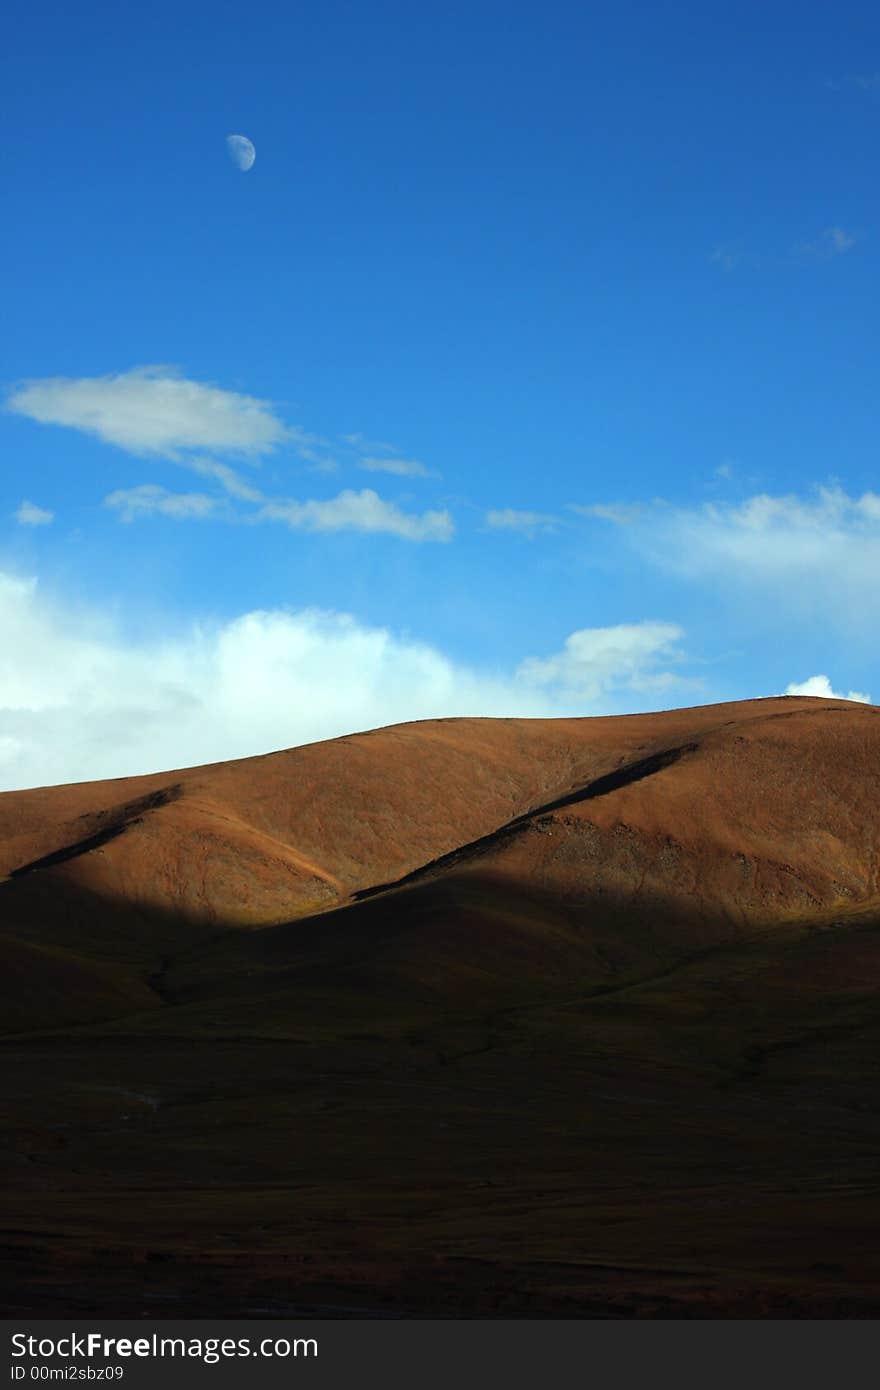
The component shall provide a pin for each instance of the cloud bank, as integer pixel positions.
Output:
(79, 699)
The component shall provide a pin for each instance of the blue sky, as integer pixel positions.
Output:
(531, 369)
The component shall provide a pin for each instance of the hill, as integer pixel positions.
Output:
(478, 1017)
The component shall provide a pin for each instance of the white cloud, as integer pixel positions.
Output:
(402, 468)
(595, 661)
(152, 410)
(821, 687)
(528, 523)
(359, 511)
(80, 700)
(155, 411)
(363, 511)
(151, 500)
(29, 514)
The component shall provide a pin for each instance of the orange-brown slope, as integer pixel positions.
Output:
(364, 809)
(722, 829)
(594, 846)
(758, 817)
(127, 872)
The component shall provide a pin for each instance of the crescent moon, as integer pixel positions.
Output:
(241, 152)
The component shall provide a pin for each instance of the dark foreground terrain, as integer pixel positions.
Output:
(463, 1018)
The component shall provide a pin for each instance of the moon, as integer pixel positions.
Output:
(241, 152)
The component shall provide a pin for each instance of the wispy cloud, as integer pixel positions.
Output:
(620, 513)
(359, 511)
(833, 241)
(727, 257)
(362, 444)
(152, 410)
(231, 481)
(821, 687)
(811, 555)
(863, 81)
(829, 510)
(151, 500)
(363, 511)
(526, 523)
(402, 468)
(29, 514)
